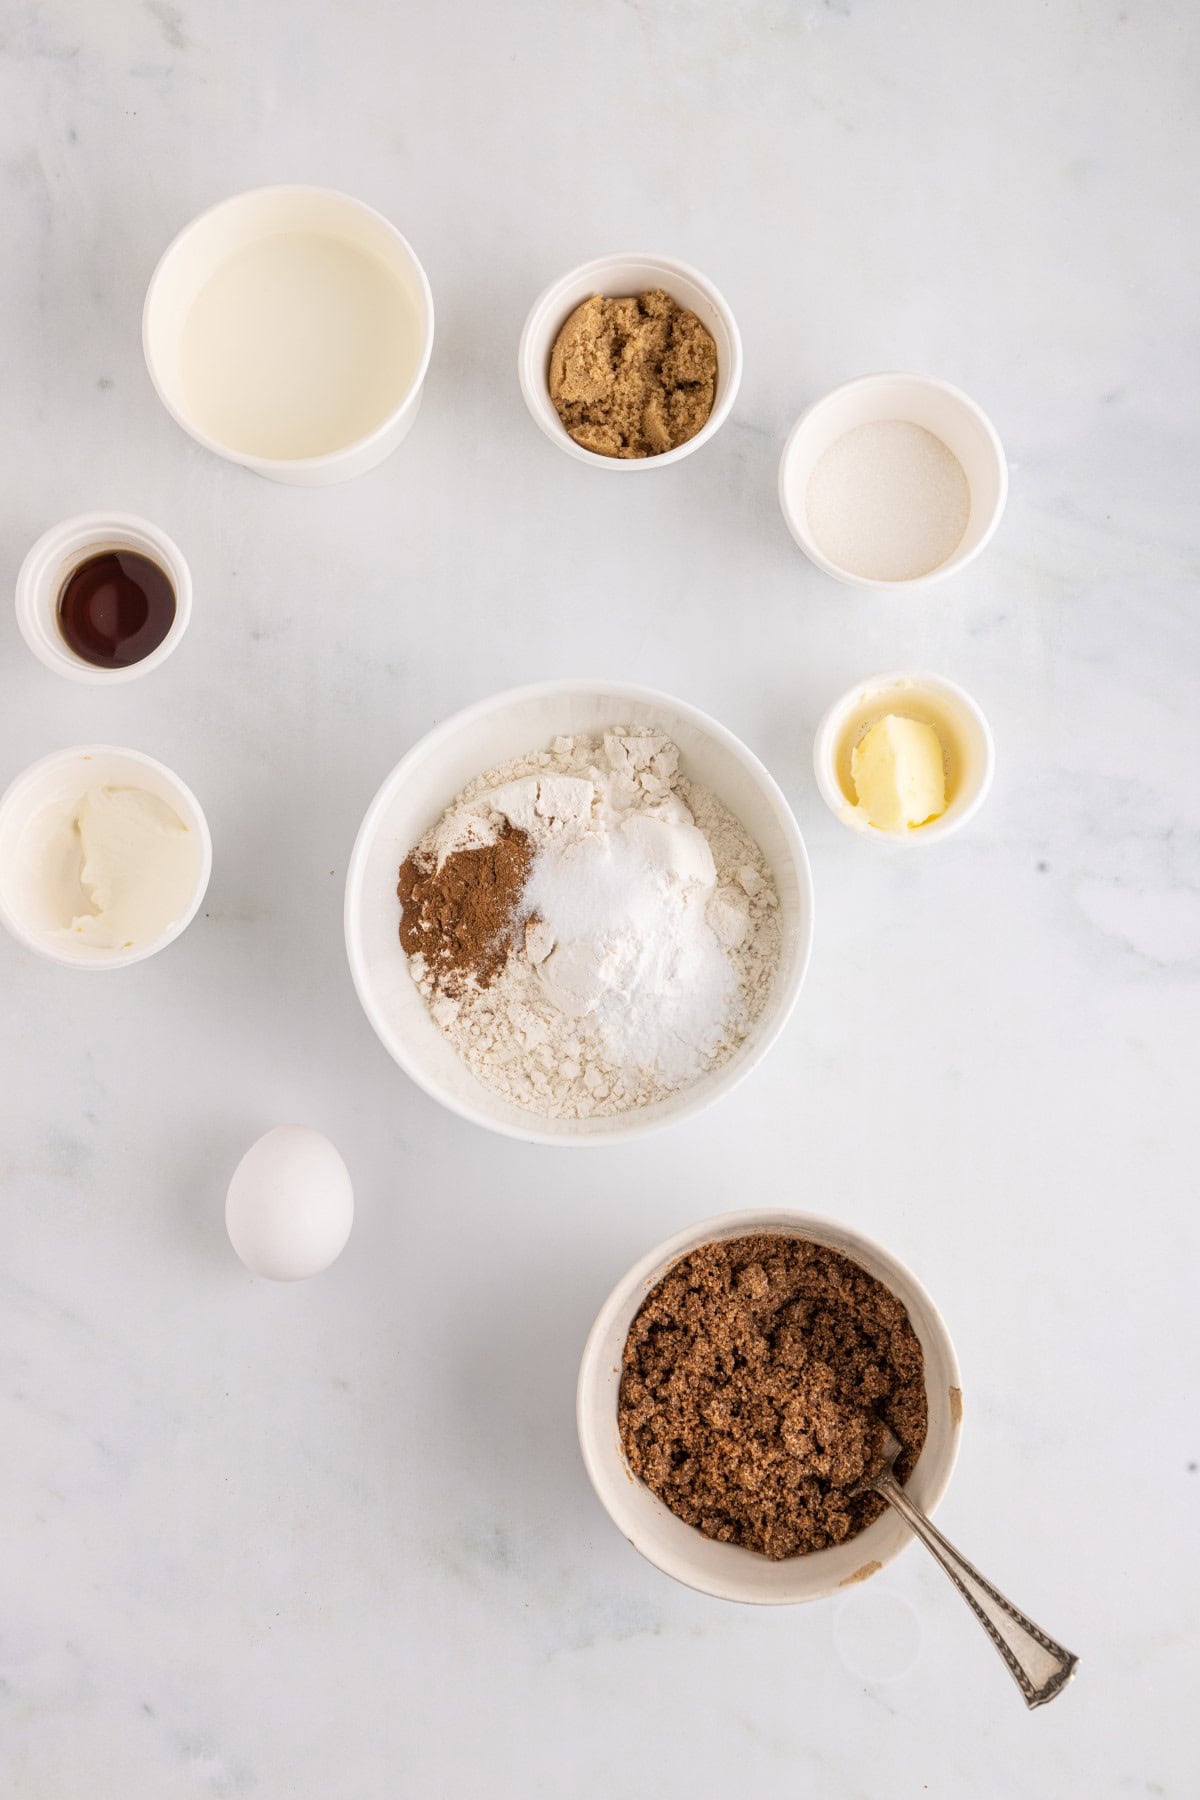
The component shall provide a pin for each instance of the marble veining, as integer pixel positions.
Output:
(337, 1540)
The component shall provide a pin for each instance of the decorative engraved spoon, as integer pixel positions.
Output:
(1040, 1667)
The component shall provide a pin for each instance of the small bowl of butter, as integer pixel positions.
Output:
(105, 856)
(904, 758)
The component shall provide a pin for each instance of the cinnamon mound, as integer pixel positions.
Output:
(463, 917)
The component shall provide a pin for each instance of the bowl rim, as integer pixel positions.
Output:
(532, 391)
(825, 742)
(329, 459)
(597, 1451)
(34, 572)
(642, 1120)
(954, 562)
(122, 959)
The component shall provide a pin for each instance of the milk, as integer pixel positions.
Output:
(297, 345)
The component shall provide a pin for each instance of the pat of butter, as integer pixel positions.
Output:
(899, 774)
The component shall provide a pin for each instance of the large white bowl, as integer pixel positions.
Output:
(417, 792)
(726, 1570)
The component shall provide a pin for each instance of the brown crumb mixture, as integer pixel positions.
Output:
(756, 1382)
(464, 917)
(633, 377)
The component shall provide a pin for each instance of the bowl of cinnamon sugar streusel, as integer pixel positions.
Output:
(735, 1396)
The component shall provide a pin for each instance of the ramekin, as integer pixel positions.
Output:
(630, 272)
(727, 1571)
(952, 712)
(54, 558)
(200, 249)
(922, 400)
(52, 778)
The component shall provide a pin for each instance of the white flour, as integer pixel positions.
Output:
(656, 937)
(888, 500)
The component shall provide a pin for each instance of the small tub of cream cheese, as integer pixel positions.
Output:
(904, 758)
(105, 857)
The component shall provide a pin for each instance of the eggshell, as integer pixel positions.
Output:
(290, 1204)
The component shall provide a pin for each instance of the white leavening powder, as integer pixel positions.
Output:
(623, 917)
(888, 500)
(653, 938)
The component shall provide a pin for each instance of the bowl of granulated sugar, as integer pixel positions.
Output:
(893, 481)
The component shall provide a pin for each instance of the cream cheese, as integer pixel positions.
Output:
(119, 866)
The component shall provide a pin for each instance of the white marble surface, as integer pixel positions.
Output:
(335, 1540)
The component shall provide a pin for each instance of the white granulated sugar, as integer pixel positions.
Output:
(888, 500)
(654, 938)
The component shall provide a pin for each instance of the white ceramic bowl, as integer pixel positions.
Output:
(414, 797)
(960, 724)
(918, 400)
(52, 561)
(614, 276)
(63, 775)
(725, 1570)
(232, 226)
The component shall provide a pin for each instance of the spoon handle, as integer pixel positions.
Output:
(1040, 1667)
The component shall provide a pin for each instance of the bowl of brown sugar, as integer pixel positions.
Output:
(735, 1394)
(630, 361)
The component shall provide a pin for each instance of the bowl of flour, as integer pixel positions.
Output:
(607, 912)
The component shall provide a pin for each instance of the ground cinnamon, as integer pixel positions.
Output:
(756, 1382)
(465, 917)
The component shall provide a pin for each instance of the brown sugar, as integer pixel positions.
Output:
(464, 917)
(756, 1383)
(633, 377)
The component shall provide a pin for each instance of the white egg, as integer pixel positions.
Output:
(290, 1204)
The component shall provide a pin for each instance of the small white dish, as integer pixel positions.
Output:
(922, 400)
(423, 784)
(613, 277)
(53, 560)
(959, 721)
(65, 775)
(727, 1571)
(351, 283)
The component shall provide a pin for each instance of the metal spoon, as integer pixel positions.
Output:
(1040, 1667)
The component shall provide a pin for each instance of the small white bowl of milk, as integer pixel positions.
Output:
(290, 329)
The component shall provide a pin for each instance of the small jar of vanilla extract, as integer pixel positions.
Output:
(103, 597)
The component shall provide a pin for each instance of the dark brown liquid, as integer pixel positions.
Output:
(116, 608)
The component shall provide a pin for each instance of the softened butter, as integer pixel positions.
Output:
(899, 773)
